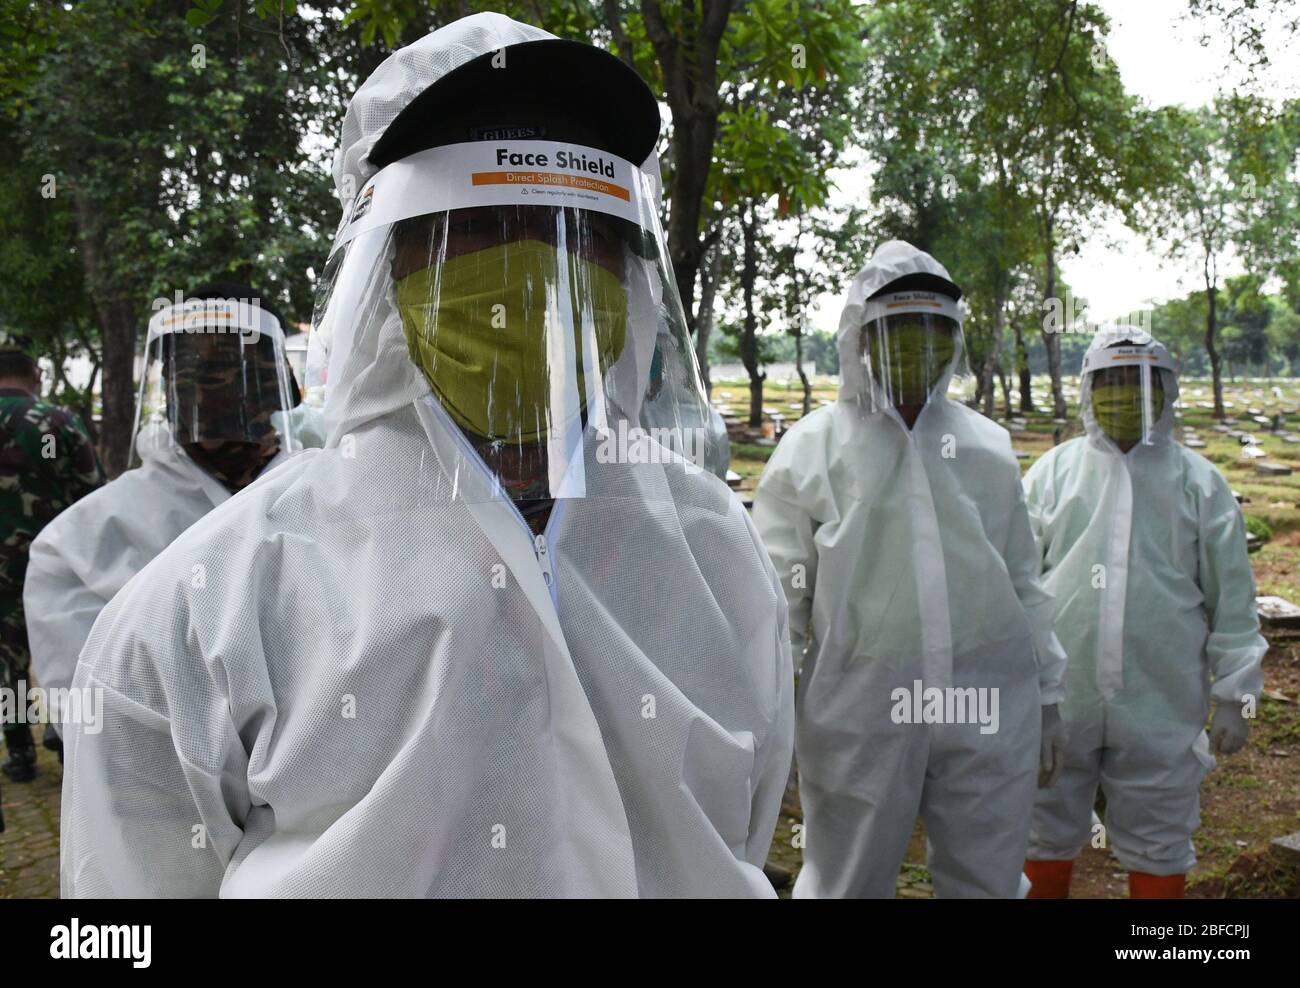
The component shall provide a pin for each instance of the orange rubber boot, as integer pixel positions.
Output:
(1144, 886)
(1051, 879)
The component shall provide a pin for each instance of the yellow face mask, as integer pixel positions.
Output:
(911, 361)
(477, 326)
(1118, 409)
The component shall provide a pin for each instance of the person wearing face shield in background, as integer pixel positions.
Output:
(896, 521)
(211, 417)
(491, 640)
(1144, 547)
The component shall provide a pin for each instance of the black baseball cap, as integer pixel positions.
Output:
(513, 93)
(921, 281)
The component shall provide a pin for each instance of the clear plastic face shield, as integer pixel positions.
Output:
(527, 280)
(911, 346)
(1126, 390)
(216, 384)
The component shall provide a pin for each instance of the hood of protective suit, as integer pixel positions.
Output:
(892, 260)
(407, 73)
(369, 372)
(377, 375)
(1162, 430)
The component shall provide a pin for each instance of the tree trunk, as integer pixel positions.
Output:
(749, 334)
(803, 377)
(710, 275)
(117, 325)
(689, 62)
(995, 349)
(1216, 362)
(1022, 371)
(116, 318)
(1052, 341)
(1006, 391)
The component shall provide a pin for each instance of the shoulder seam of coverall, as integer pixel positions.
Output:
(91, 676)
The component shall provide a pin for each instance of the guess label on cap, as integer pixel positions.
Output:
(502, 132)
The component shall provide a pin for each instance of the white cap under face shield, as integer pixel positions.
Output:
(214, 372)
(527, 284)
(1126, 388)
(911, 346)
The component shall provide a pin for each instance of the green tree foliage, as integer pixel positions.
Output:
(179, 154)
(1231, 191)
(1001, 130)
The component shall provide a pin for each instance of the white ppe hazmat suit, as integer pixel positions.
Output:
(1145, 553)
(89, 552)
(382, 690)
(907, 560)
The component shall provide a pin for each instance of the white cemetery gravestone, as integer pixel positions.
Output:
(1277, 612)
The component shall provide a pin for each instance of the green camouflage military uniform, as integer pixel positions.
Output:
(47, 462)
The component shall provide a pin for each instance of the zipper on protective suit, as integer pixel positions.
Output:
(929, 567)
(541, 542)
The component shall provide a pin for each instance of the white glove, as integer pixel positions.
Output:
(1051, 751)
(1228, 729)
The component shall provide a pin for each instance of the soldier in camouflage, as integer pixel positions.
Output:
(47, 461)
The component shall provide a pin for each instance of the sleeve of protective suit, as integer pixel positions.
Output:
(60, 608)
(1235, 649)
(787, 530)
(154, 787)
(1024, 563)
(774, 757)
(1037, 489)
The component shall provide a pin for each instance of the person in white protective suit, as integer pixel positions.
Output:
(214, 412)
(1144, 548)
(930, 674)
(492, 640)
